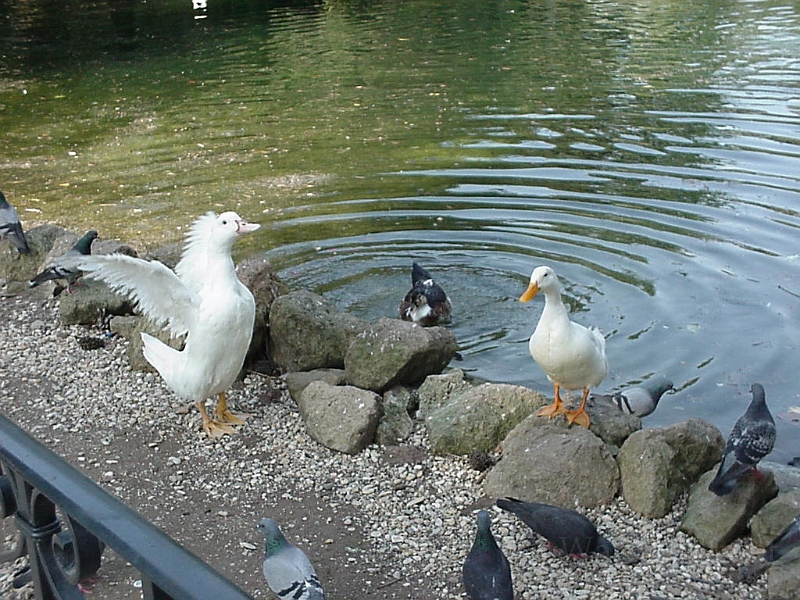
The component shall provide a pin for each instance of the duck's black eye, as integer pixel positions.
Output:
(224, 222)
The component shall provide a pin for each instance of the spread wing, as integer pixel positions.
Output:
(156, 290)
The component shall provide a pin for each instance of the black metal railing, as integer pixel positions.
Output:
(64, 521)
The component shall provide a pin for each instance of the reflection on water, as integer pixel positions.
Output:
(648, 152)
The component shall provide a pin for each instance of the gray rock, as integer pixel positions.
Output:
(306, 332)
(555, 465)
(786, 476)
(437, 390)
(480, 417)
(393, 352)
(715, 521)
(611, 424)
(396, 424)
(773, 518)
(783, 578)
(342, 418)
(89, 302)
(15, 268)
(296, 381)
(658, 465)
(260, 278)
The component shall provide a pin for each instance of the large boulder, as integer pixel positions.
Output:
(783, 578)
(715, 521)
(342, 418)
(480, 417)
(15, 268)
(396, 423)
(611, 424)
(90, 302)
(297, 381)
(260, 278)
(306, 332)
(393, 352)
(773, 518)
(658, 465)
(436, 390)
(547, 463)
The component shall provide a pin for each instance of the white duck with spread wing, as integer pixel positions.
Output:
(202, 299)
(572, 356)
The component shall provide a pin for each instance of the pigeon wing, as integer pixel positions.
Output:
(290, 574)
(156, 290)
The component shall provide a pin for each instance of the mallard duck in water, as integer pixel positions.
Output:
(425, 303)
(202, 299)
(572, 356)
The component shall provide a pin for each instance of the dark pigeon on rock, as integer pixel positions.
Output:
(426, 302)
(289, 573)
(486, 573)
(640, 400)
(750, 440)
(10, 226)
(786, 540)
(565, 529)
(60, 270)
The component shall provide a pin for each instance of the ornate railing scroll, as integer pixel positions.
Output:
(64, 521)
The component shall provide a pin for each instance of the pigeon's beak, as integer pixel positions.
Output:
(243, 226)
(532, 290)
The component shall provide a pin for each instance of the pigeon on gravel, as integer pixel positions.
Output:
(750, 440)
(203, 299)
(785, 541)
(287, 569)
(565, 529)
(426, 302)
(640, 400)
(486, 572)
(62, 269)
(10, 226)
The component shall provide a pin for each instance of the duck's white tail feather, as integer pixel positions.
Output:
(161, 356)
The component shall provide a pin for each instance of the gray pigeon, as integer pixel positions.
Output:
(750, 440)
(10, 226)
(289, 573)
(785, 541)
(640, 400)
(486, 573)
(565, 529)
(58, 271)
(426, 302)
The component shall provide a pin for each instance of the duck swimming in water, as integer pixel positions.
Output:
(426, 302)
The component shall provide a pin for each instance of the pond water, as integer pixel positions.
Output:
(648, 151)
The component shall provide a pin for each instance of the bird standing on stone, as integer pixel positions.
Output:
(785, 541)
(750, 440)
(426, 302)
(565, 529)
(11, 227)
(289, 573)
(202, 299)
(640, 400)
(486, 573)
(572, 356)
(63, 269)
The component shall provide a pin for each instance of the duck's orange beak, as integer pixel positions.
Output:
(532, 290)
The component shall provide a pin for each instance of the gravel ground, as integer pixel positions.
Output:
(390, 523)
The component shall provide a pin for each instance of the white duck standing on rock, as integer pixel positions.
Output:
(203, 299)
(572, 356)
